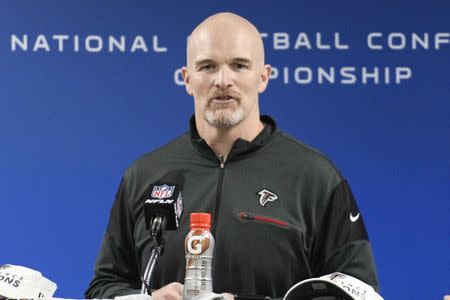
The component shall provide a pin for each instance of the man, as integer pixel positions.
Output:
(281, 212)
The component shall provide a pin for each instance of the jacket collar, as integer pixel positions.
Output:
(241, 148)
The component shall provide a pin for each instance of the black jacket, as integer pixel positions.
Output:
(281, 213)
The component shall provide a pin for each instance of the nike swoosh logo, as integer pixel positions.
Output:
(354, 218)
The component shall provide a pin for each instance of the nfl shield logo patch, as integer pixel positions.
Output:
(162, 191)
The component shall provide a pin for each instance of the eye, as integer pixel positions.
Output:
(207, 67)
(239, 66)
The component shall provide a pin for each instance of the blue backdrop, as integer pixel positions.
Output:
(75, 111)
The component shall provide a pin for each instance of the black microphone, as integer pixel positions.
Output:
(164, 205)
(162, 210)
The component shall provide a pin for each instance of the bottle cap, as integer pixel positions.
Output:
(200, 220)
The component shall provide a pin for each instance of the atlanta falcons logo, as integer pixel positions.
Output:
(266, 196)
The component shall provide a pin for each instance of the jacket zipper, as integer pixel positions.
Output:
(248, 216)
(218, 195)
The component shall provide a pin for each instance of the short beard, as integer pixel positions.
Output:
(224, 120)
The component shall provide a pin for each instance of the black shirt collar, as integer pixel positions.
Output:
(241, 147)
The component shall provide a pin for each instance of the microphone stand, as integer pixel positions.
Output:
(157, 251)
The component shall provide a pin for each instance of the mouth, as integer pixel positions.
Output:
(223, 98)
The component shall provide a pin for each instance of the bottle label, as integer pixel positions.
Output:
(198, 242)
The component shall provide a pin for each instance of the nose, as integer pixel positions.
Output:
(223, 78)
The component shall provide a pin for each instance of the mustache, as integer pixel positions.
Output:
(224, 93)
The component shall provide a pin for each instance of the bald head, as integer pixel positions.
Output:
(224, 30)
(225, 74)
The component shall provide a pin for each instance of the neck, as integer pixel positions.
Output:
(221, 140)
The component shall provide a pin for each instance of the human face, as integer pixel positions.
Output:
(225, 74)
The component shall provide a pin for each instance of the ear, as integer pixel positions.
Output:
(186, 79)
(265, 76)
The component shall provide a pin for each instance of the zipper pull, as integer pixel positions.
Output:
(222, 161)
(245, 215)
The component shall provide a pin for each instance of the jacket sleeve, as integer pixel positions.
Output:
(341, 243)
(115, 271)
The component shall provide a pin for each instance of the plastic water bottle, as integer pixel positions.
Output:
(199, 249)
